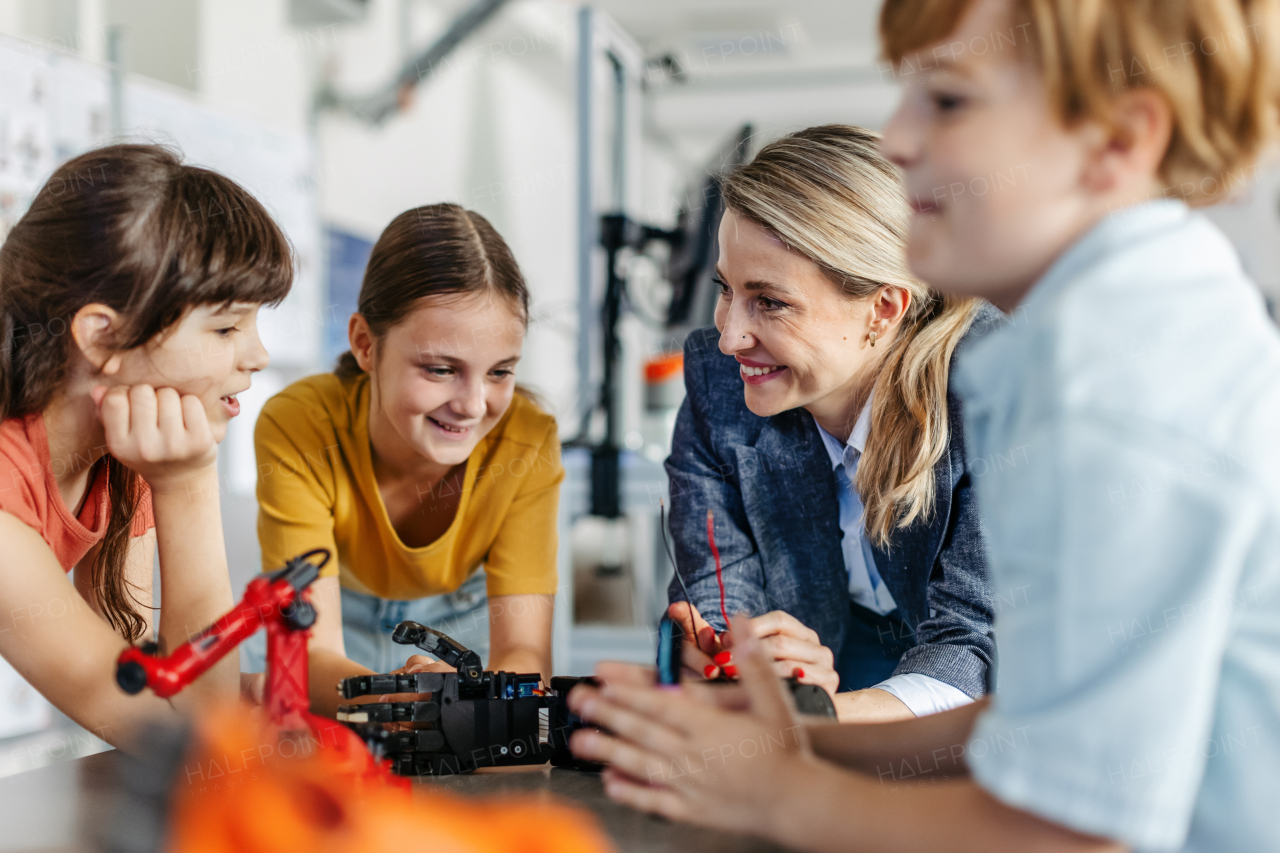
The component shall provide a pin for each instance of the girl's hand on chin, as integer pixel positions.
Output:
(683, 755)
(159, 433)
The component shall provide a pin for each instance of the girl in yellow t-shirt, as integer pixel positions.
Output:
(419, 463)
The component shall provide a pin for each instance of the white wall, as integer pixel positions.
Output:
(1252, 221)
(252, 61)
(491, 129)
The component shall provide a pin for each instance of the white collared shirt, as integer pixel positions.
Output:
(921, 693)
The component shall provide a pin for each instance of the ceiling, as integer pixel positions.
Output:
(777, 65)
(807, 31)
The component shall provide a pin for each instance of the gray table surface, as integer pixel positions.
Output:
(631, 831)
(42, 809)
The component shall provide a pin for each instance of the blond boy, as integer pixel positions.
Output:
(1052, 151)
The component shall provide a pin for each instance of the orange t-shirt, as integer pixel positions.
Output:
(29, 492)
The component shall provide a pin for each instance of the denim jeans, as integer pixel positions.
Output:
(368, 621)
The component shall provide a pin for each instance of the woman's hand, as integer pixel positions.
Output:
(159, 433)
(687, 755)
(795, 650)
(700, 644)
(794, 647)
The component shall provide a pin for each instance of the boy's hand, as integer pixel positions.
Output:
(162, 435)
(681, 754)
(727, 696)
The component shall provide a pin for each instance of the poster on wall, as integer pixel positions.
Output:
(51, 108)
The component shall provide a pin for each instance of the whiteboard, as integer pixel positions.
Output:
(51, 108)
(54, 106)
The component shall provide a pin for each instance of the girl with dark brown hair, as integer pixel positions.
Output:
(129, 294)
(419, 462)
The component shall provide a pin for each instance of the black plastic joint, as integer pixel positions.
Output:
(390, 712)
(381, 685)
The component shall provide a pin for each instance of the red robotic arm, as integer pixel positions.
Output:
(277, 600)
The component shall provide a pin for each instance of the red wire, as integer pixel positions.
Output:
(715, 552)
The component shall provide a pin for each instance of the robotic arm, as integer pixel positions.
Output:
(278, 601)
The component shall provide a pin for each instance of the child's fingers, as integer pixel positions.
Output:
(617, 672)
(422, 663)
(646, 798)
(169, 417)
(726, 697)
(144, 419)
(113, 409)
(415, 663)
(756, 674)
(628, 758)
(636, 728)
(580, 695)
(670, 708)
(196, 420)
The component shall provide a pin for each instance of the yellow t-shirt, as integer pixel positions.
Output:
(316, 489)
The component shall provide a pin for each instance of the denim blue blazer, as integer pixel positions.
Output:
(770, 484)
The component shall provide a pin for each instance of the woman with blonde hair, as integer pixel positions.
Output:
(820, 436)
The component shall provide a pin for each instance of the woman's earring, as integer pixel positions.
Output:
(873, 338)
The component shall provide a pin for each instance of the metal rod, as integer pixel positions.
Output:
(386, 102)
(588, 236)
(115, 60)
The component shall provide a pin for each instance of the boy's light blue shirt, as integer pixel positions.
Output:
(1130, 417)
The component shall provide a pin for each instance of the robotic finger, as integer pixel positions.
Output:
(441, 646)
(382, 685)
